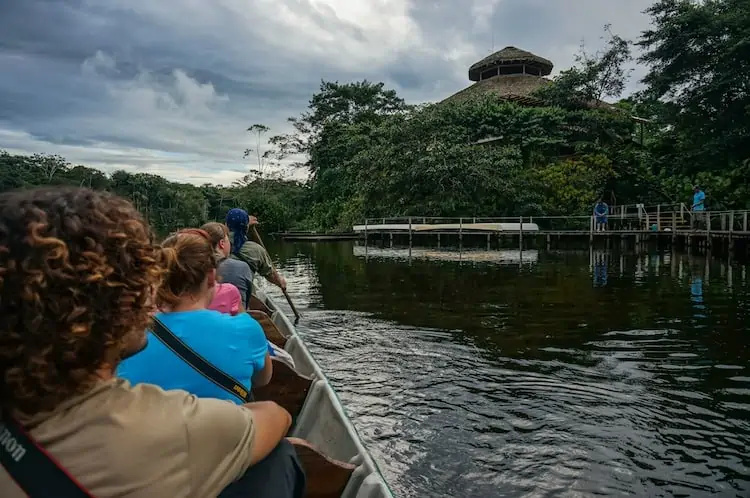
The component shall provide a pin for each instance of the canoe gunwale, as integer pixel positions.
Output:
(367, 480)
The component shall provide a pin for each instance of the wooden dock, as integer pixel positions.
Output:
(719, 231)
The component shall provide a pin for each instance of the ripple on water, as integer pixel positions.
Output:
(638, 412)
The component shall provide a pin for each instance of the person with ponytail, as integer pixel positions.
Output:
(230, 272)
(233, 344)
(252, 253)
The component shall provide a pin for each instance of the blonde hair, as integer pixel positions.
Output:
(216, 232)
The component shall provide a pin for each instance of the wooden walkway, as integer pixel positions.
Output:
(635, 225)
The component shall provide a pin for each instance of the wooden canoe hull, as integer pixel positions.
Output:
(319, 419)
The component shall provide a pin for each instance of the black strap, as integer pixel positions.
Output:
(35, 471)
(200, 364)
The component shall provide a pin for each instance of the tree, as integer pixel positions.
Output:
(698, 55)
(336, 104)
(596, 76)
(265, 160)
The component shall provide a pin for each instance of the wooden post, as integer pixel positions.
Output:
(460, 232)
(731, 222)
(658, 217)
(674, 227)
(488, 241)
(410, 234)
(723, 222)
(744, 221)
(366, 236)
(520, 232)
(591, 229)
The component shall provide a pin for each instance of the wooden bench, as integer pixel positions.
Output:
(326, 477)
(273, 334)
(287, 388)
(256, 304)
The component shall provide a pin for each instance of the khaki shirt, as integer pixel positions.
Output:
(142, 441)
(255, 256)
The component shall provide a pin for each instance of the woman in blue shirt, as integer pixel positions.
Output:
(233, 344)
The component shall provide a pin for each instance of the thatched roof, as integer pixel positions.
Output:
(514, 87)
(510, 56)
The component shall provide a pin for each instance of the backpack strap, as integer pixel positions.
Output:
(199, 363)
(35, 471)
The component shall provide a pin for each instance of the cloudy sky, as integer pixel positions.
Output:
(169, 87)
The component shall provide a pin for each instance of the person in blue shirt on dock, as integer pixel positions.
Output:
(699, 205)
(601, 210)
(234, 344)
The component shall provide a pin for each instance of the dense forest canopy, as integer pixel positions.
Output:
(369, 154)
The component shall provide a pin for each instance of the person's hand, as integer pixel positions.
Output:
(253, 220)
(282, 282)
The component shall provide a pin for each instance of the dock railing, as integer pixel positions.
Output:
(633, 218)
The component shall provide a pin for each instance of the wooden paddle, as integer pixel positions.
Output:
(286, 294)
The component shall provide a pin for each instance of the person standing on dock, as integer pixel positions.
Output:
(252, 253)
(699, 205)
(601, 211)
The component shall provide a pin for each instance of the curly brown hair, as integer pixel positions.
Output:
(77, 272)
(188, 258)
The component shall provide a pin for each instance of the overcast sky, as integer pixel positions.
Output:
(169, 87)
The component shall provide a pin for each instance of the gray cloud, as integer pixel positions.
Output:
(170, 87)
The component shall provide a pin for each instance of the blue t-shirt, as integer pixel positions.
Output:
(699, 200)
(234, 344)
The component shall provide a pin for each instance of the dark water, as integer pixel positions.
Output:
(567, 374)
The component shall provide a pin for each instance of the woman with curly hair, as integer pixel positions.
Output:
(234, 344)
(78, 273)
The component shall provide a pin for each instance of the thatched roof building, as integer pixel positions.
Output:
(510, 73)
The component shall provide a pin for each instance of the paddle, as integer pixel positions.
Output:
(286, 294)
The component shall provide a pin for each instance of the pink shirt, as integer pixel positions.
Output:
(226, 300)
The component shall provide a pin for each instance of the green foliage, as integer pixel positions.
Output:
(167, 205)
(698, 53)
(371, 155)
(575, 183)
(597, 76)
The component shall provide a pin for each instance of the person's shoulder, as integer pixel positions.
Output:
(243, 321)
(235, 264)
(253, 246)
(139, 403)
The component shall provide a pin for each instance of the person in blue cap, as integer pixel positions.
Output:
(252, 253)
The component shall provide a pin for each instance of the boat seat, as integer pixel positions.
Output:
(257, 305)
(326, 477)
(273, 334)
(287, 388)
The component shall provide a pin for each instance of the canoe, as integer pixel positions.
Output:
(335, 460)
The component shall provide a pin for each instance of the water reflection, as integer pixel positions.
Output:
(492, 379)
(599, 262)
(501, 256)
